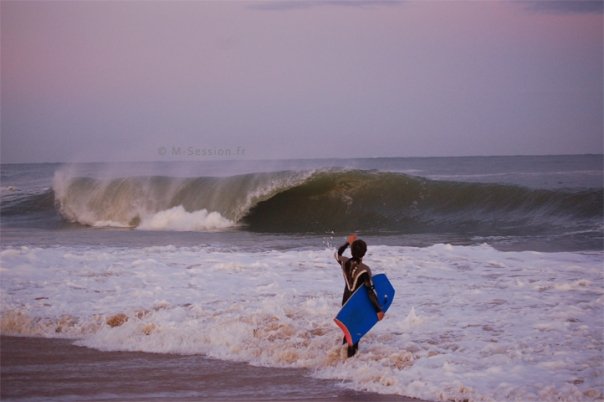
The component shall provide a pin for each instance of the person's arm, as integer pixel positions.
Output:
(349, 240)
(372, 296)
(342, 248)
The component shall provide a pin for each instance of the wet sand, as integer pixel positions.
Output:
(54, 369)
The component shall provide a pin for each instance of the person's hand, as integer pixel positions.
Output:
(380, 315)
(351, 238)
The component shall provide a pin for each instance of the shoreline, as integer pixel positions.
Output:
(55, 369)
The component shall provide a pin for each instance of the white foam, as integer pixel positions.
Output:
(467, 322)
(179, 219)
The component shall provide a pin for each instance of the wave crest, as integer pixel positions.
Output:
(166, 203)
(318, 202)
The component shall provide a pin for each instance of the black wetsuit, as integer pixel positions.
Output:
(355, 274)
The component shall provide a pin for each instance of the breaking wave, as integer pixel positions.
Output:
(166, 203)
(313, 201)
(378, 201)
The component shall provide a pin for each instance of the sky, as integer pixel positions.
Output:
(130, 81)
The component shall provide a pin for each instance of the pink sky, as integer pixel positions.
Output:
(117, 80)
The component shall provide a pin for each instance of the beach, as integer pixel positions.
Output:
(56, 370)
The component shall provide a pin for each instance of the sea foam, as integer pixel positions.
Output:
(466, 323)
(177, 218)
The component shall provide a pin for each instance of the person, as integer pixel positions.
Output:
(356, 274)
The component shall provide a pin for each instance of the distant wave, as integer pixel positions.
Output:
(16, 202)
(313, 201)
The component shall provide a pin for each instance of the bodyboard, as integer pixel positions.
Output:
(358, 315)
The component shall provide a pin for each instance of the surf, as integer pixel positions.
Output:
(312, 201)
(166, 203)
(463, 315)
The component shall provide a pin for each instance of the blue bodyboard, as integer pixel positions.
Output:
(357, 315)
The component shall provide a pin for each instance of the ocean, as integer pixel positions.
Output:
(497, 263)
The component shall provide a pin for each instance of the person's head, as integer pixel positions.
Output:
(358, 248)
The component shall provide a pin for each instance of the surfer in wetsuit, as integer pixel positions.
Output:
(356, 274)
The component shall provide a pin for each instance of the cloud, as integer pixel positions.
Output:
(565, 6)
(287, 5)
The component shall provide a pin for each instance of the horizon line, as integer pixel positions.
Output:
(189, 160)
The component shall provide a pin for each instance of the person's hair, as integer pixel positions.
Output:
(358, 248)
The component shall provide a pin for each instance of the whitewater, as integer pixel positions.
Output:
(497, 263)
(468, 322)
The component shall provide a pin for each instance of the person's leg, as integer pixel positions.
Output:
(352, 350)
